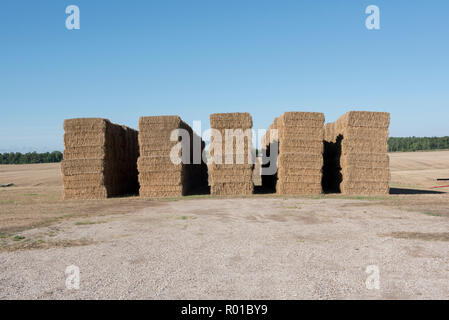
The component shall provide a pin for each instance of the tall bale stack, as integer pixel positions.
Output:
(300, 157)
(231, 172)
(99, 159)
(364, 162)
(158, 175)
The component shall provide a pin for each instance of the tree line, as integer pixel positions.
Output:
(417, 143)
(394, 144)
(30, 157)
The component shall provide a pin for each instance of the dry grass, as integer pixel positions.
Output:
(36, 199)
(433, 236)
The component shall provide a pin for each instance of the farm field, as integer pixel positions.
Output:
(203, 247)
(419, 169)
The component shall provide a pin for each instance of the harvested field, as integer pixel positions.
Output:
(267, 247)
(99, 159)
(158, 175)
(419, 169)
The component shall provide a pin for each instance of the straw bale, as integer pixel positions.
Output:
(366, 119)
(74, 139)
(298, 188)
(377, 134)
(356, 173)
(234, 171)
(216, 179)
(301, 179)
(301, 132)
(85, 125)
(361, 146)
(232, 188)
(84, 152)
(161, 191)
(365, 188)
(290, 171)
(159, 122)
(302, 116)
(82, 166)
(301, 150)
(229, 119)
(86, 193)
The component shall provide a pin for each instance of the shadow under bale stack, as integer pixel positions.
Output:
(270, 153)
(100, 159)
(361, 139)
(300, 159)
(231, 172)
(159, 176)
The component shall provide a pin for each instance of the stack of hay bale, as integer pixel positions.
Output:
(158, 175)
(300, 160)
(231, 171)
(364, 160)
(99, 159)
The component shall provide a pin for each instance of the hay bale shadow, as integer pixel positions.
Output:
(413, 191)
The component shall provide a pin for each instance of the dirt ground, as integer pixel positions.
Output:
(202, 247)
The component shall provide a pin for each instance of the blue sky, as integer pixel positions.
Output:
(193, 58)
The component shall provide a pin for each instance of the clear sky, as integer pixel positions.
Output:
(197, 57)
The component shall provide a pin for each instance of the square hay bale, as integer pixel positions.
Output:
(100, 159)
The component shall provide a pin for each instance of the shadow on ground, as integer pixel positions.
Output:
(413, 191)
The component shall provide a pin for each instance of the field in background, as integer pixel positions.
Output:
(419, 169)
(35, 198)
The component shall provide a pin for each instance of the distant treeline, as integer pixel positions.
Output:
(30, 157)
(417, 143)
(394, 144)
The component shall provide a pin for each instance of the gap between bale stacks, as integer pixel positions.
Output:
(99, 159)
(299, 142)
(159, 177)
(231, 171)
(356, 158)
